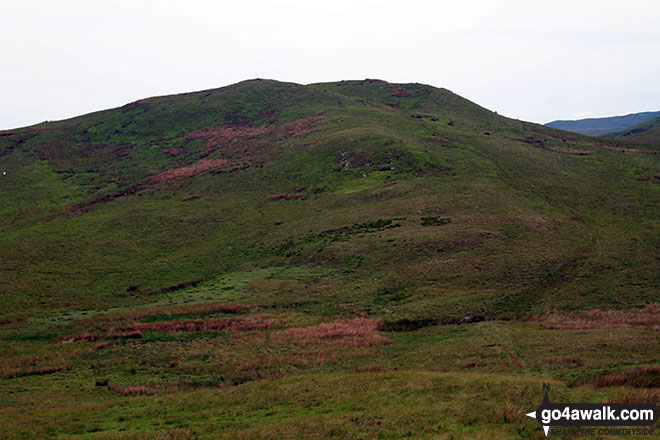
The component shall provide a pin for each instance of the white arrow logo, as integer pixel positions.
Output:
(545, 427)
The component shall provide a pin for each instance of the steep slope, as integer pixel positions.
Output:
(172, 189)
(601, 126)
(647, 132)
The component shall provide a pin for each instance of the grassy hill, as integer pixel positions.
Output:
(601, 126)
(266, 247)
(647, 132)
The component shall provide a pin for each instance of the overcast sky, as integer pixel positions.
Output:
(530, 60)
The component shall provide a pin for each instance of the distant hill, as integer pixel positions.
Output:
(648, 132)
(601, 126)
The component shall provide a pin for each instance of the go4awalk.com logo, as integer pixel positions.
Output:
(638, 418)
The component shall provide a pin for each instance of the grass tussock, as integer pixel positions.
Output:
(637, 395)
(92, 337)
(142, 314)
(131, 390)
(513, 410)
(646, 318)
(358, 332)
(257, 322)
(34, 371)
(646, 376)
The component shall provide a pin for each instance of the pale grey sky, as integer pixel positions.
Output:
(531, 60)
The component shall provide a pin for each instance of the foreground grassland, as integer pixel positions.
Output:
(351, 260)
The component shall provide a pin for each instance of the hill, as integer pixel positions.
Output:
(647, 132)
(601, 126)
(239, 262)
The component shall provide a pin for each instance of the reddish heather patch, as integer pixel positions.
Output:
(217, 137)
(647, 318)
(223, 135)
(358, 332)
(400, 93)
(35, 371)
(258, 322)
(290, 196)
(185, 172)
(103, 345)
(191, 197)
(91, 337)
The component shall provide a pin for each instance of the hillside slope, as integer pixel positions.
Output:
(647, 132)
(172, 189)
(601, 126)
(237, 262)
